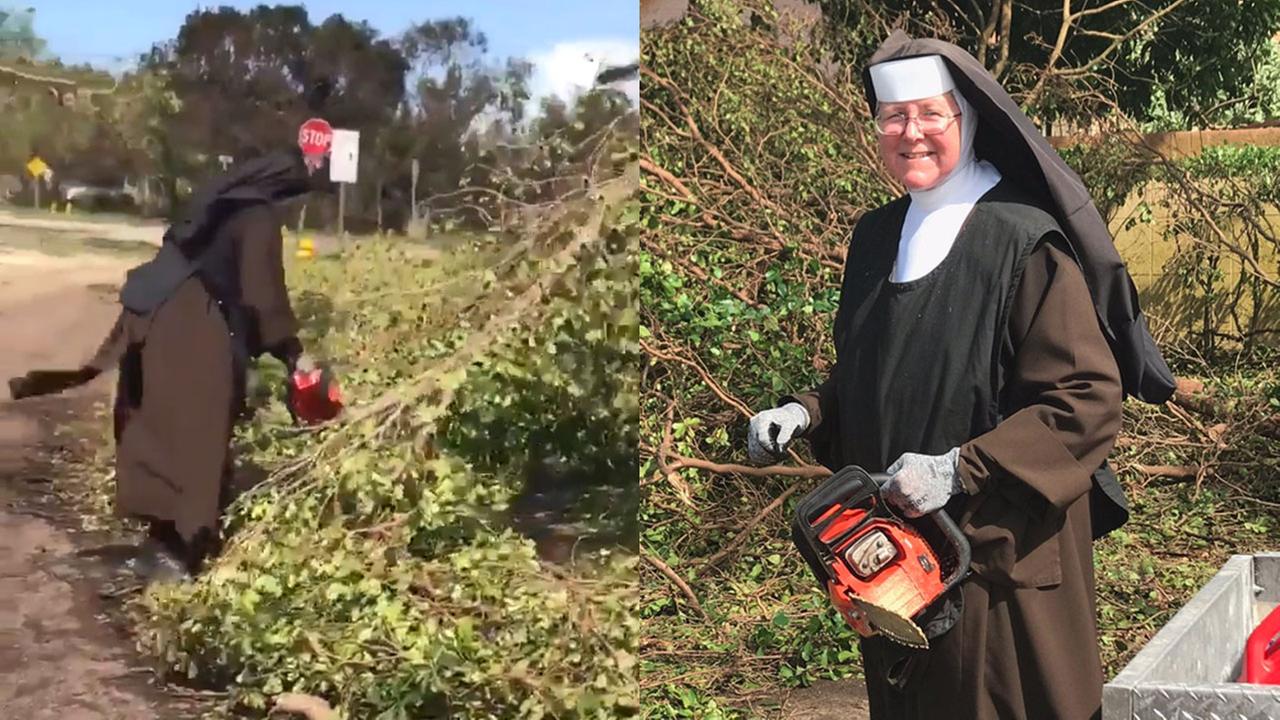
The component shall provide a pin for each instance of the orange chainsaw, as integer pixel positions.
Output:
(880, 571)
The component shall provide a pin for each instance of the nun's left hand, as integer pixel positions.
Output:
(921, 484)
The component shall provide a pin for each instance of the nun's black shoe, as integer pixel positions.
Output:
(154, 562)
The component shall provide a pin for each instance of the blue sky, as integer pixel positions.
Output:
(564, 38)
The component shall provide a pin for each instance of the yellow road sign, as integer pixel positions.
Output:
(36, 167)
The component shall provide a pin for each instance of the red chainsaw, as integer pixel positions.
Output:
(314, 396)
(880, 571)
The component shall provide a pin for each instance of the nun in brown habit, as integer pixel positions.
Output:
(213, 298)
(986, 335)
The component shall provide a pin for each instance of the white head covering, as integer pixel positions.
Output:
(911, 79)
(937, 213)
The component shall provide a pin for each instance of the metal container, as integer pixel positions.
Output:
(1188, 670)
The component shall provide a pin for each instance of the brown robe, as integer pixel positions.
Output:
(177, 396)
(1025, 647)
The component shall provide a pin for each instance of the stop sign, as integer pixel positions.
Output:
(315, 136)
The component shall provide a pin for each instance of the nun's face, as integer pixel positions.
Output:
(917, 160)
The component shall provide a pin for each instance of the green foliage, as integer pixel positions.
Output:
(1112, 168)
(1215, 61)
(674, 703)
(1261, 102)
(378, 567)
(538, 395)
(1258, 165)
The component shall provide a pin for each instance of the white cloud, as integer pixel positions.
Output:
(569, 68)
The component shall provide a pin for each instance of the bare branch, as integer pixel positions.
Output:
(1006, 21)
(675, 579)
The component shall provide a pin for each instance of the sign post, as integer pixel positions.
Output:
(37, 168)
(413, 190)
(344, 160)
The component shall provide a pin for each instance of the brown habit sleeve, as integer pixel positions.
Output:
(262, 282)
(819, 402)
(1064, 384)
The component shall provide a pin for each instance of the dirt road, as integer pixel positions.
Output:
(143, 232)
(63, 654)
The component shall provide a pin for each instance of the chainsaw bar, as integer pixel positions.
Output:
(893, 626)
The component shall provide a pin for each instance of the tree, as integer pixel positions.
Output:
(18, 39)
(456, 94)
(140, 112)
(246, 81)
(1071, 59)
(239, 83)
(242, 83)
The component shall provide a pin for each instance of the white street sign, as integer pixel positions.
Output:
(344, 155)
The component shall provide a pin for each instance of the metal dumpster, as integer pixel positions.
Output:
(1188, 669)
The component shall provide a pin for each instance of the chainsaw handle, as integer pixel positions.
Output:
(957, 539)
(845, 488)
(851, 483)
(950, 531)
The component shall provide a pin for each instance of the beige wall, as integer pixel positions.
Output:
(1174, 305)
(1190, 142)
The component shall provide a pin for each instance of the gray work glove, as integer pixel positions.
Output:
(772, 430)
(922, 483)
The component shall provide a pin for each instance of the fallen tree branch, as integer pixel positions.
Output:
(309, 706)
(710, 147)
(681, 488)
(662, 174)
(1173, 472)
(1190, 395)
(706, 377)
(732, 546)
(1191, 422)
(702, 275)
(675, 579)
(809, 471)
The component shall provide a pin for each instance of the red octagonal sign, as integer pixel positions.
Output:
(315, 136)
